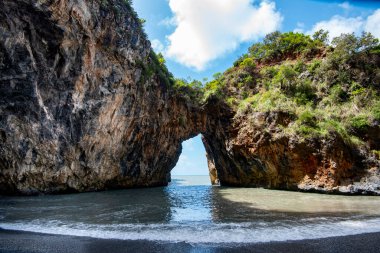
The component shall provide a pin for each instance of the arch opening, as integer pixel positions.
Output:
(192, 164)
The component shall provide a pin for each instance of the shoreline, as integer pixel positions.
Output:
(12, 241)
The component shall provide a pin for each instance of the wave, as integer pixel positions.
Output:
(203, 233)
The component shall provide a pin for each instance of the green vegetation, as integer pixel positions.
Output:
(376, 111)
(192, 90)
(359, 122)
(376, 153)
(142, 21)
(279, 46)
(155, 67)
(328, 88)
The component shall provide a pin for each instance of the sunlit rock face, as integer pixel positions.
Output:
(78, 111)
(253, 152)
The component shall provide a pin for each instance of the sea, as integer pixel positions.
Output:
(191, 210)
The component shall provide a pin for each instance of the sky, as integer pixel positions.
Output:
(199, 38)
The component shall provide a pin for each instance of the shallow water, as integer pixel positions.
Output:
(192, 210)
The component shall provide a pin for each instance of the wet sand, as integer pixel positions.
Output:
(25, 242)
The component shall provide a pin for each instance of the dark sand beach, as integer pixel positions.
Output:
(26, 242)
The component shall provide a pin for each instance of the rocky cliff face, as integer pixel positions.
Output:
(85, 106)
(300, 121)
(81, 106)
(253, 152)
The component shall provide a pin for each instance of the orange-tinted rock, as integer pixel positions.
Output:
(256, 153)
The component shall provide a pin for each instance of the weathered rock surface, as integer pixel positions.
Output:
(78, 111)
(83, 108)
(253, 152)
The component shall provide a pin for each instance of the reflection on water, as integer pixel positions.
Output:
(191, 199)
(113, 207)
(192, 210)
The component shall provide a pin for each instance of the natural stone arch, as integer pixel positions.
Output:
(84, 107)
(86, 111)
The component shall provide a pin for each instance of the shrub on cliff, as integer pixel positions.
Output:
(191, 90)
(352, 59)
(329, 88)
(278, 46)
(359, 122)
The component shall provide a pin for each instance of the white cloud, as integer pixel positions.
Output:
(345, 5)
(206, 29)
(157, 46)
(373, 24)
(338, 25)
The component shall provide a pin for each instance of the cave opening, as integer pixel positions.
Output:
(192, 163)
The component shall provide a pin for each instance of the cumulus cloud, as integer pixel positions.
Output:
(373, 24)
(338, 25)
(206, 29)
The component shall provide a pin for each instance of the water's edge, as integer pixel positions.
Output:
(193, 212)
(11, 241)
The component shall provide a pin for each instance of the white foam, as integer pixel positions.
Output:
(202, 233)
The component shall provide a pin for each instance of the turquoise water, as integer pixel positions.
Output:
(192, 210)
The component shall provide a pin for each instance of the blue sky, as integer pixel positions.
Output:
(201, 37)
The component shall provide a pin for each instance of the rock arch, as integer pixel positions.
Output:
(86, 106)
